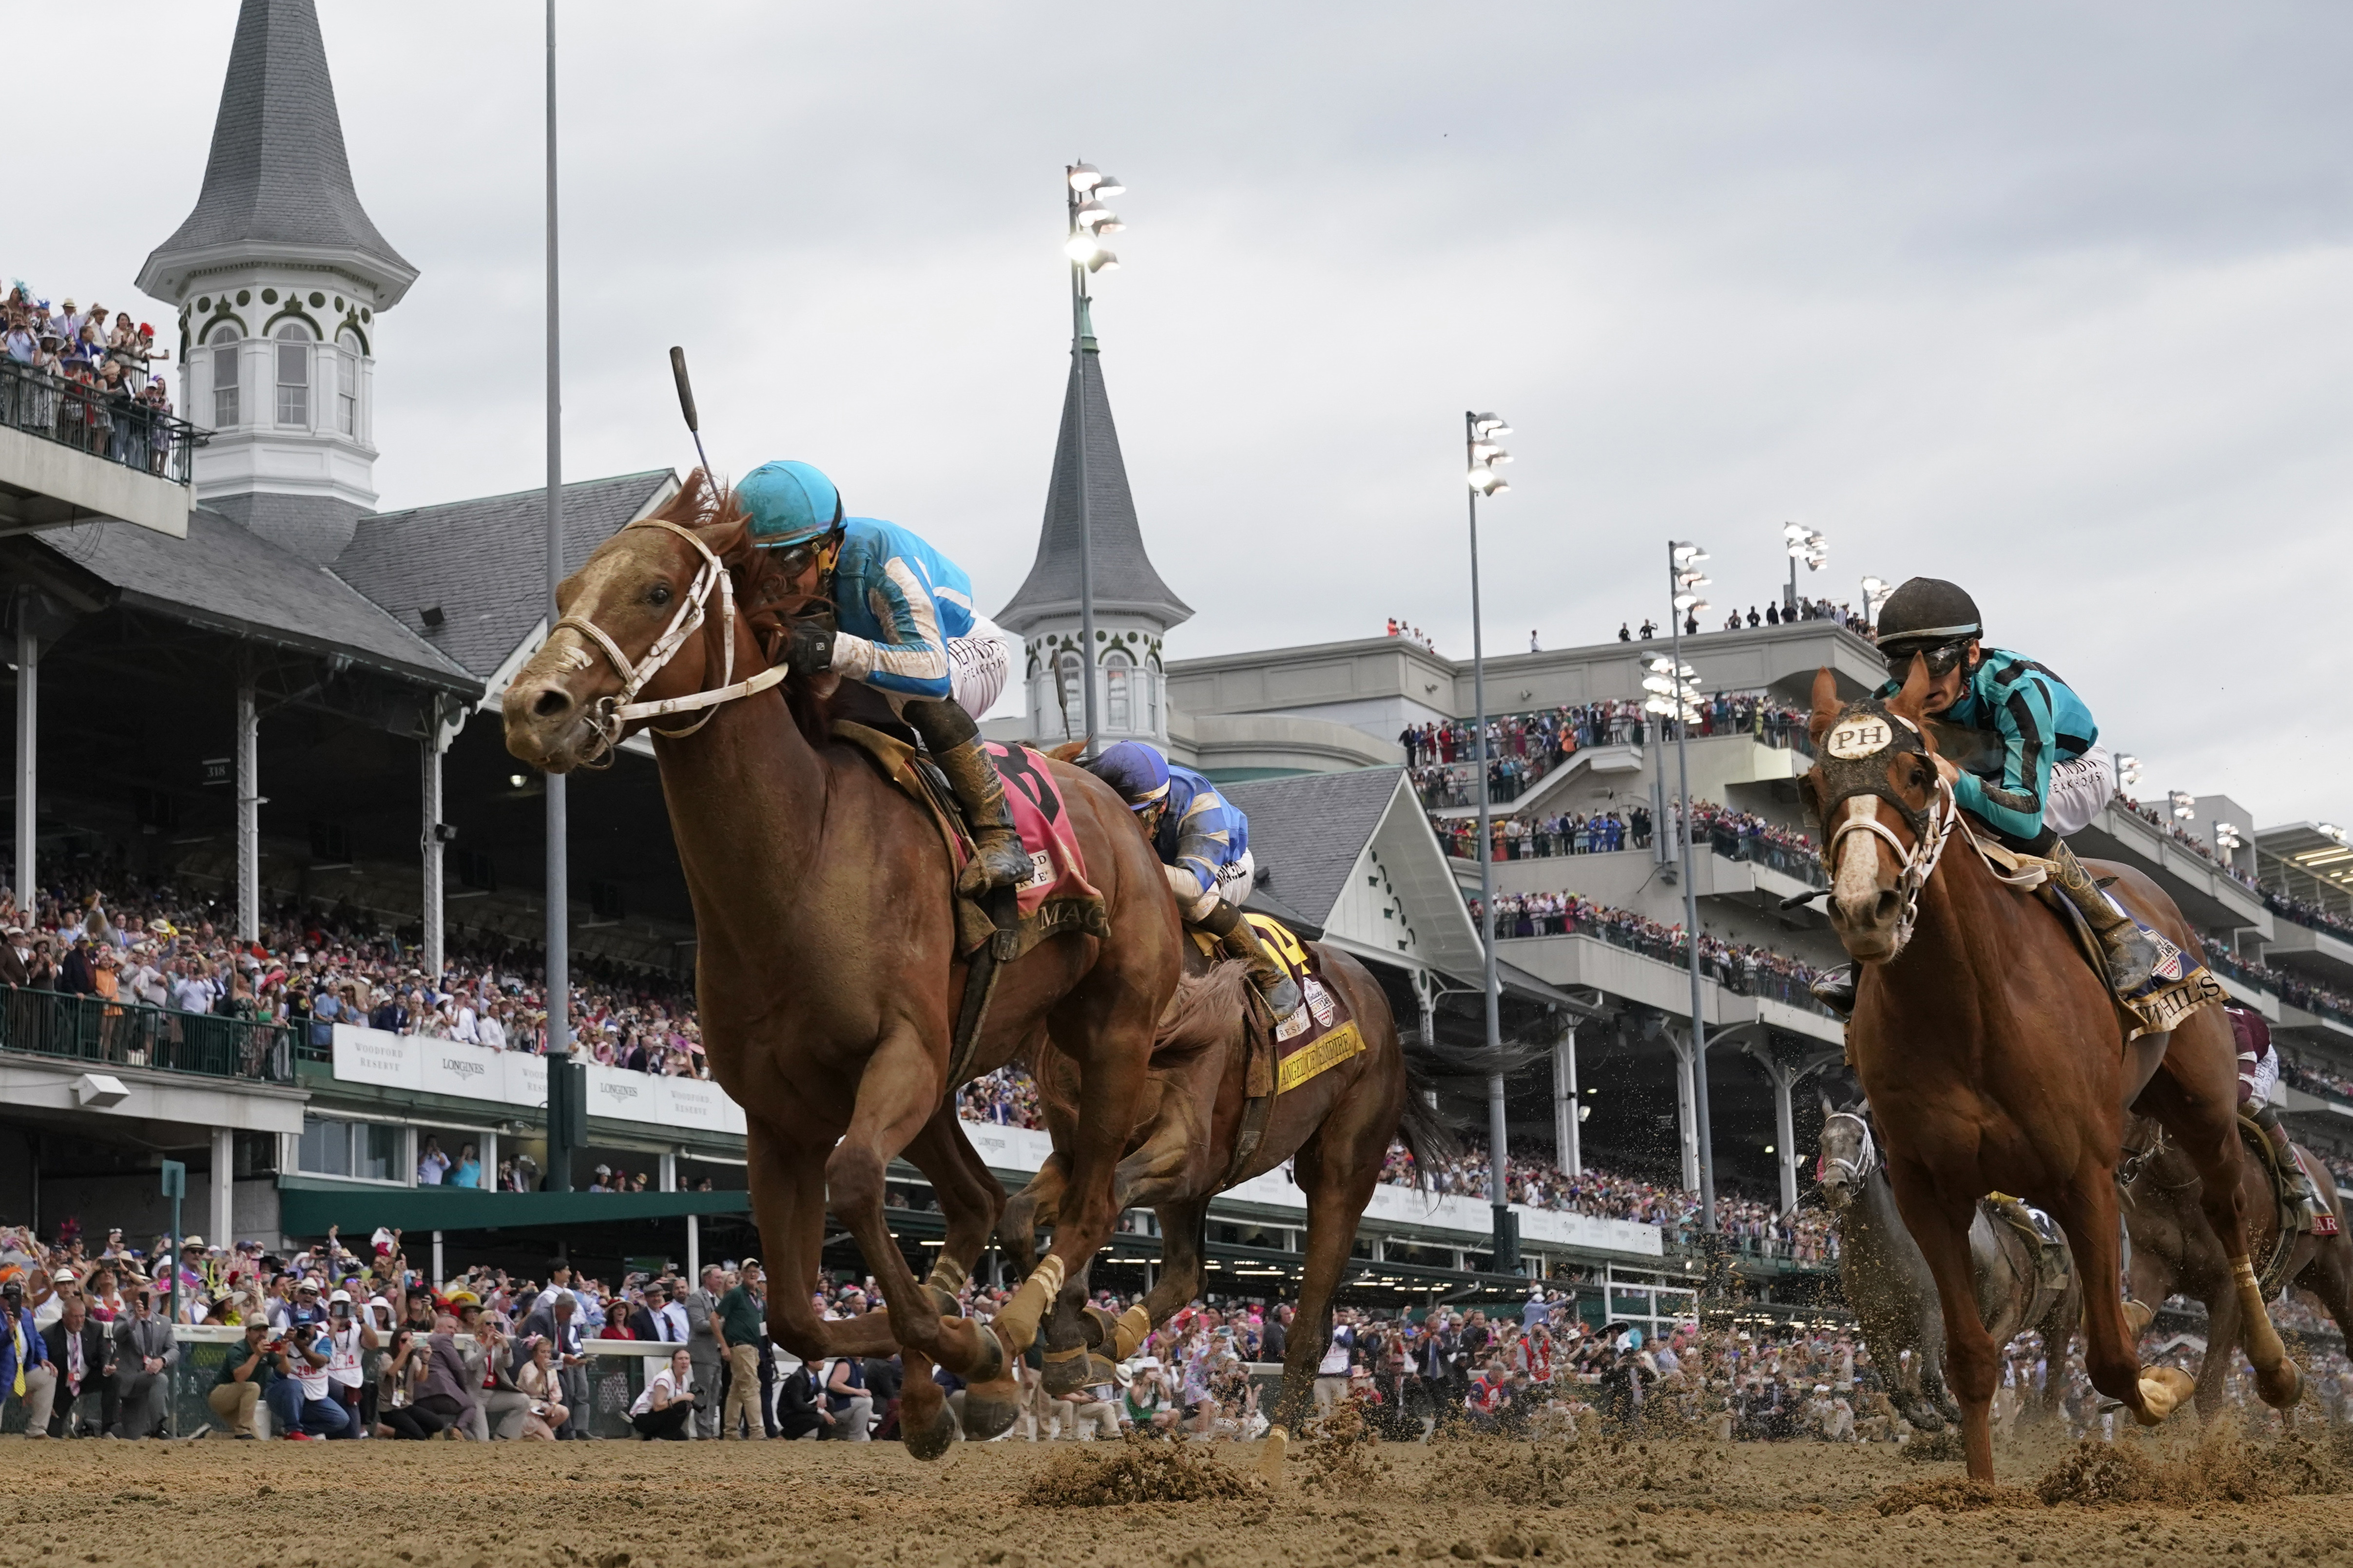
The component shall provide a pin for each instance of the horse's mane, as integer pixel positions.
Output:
(710, 509)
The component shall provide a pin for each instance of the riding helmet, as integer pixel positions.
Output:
(788, 503)
(1928, 612)
(1138, 772)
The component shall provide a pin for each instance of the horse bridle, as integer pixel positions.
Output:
(1864, 782)
(1857, 1170)
(612, 713)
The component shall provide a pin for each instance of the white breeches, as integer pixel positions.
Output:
(2081, 788)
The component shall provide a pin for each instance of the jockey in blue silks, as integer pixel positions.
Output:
(2045, 773)
(904, 625)
(1203, 839)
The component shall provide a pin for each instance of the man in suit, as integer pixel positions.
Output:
(26, 1376)
(77, 1347)
(702, 1344)
(144, 1354)
(556, 1321)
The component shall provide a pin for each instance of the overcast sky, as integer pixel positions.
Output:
(2050, 300)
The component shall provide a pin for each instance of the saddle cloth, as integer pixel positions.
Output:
(1058, 896)
(1319, 1037)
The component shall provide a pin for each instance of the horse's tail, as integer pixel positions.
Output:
(1427, 1135)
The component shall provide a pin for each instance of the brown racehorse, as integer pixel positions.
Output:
(2172, 1250)
(1335, 1129)
(1994, 1061)
(825, 973)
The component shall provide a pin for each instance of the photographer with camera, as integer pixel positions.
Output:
(299, 1404)
(246, 1372)
(662, 1410)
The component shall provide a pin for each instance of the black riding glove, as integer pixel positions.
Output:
(808, 647)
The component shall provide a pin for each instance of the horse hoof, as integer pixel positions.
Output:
(990, 1409)
(2161, 1393)
(2282, 1387)
(1074, 1372)
(927, 1434)
(1270, 1455)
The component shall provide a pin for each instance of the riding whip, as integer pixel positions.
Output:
(686, 407)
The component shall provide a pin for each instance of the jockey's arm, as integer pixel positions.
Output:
(909, 653)
(2013, 805)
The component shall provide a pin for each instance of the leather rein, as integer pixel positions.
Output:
(612, 713)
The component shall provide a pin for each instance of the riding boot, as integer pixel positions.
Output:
(954, 742)
(1274, 982)
(2131, 955)
(2301, 1185)
(1835, 988)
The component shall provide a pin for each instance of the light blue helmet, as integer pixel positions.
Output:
(1138, 772)
(788, 503)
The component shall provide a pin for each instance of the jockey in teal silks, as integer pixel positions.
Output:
(2047, 776)
(904, 625)
(1203, 839)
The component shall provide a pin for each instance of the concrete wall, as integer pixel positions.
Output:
(43, 483)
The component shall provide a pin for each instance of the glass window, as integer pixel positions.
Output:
(1118, 707)
(294, 374)
(376, 1151)
(225, 402)
(347, 381)
(325, 1148)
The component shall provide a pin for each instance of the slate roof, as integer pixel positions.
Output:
(230, 580)
(1309, 828)
(1124, 579)
(482, 560)
(277, 176)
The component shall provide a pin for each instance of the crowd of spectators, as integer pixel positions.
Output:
(2287, 985)
(75, 377)
(1740, 967)
(1522, 748)
(1399, 628)
(1006, 1097)
(1775, 614)
(2181, 836)
(165, 948)
(1733, 834)
(2305, 912)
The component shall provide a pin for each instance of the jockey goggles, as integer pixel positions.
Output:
(1942, 658)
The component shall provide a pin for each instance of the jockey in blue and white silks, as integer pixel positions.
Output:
(2046, 774)
(1203, 839)
(904, 625)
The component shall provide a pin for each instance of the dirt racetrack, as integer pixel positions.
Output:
(662, 1505)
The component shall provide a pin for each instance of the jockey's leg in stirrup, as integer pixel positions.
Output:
(1204, 842)
(902, 625)
(2259, 1069)
(2043, 773)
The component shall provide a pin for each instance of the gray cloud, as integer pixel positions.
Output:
(2047, 298)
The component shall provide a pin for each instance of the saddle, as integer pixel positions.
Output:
(2046, 1243)
(1281, 1057)
(2179, 984)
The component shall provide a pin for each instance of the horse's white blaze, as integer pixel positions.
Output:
(1858, 862)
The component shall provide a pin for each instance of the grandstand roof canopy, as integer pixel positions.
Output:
(222, 578)
(480, 563)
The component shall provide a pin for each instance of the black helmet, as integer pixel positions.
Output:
(1928, 612)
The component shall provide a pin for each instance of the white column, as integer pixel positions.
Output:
(1566, 1144)
(431, 883)
(248, 813)
(488, 1154)
(667, 1172)
(1785, 1139)
(1686, 1103)
(440, 1273)
(694, 1249)
(28, 736)
(224, 1215)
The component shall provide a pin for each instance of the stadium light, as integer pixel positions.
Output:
(2127, 773)
(2184, 803)
(1683, 582)
(2226, 837)
(1482, 454)
(1874, 594)
(1087, 221)
(1808, 545)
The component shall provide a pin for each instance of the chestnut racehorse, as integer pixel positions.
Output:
(1336, 1128)
(1994, 1059)
(825, 973)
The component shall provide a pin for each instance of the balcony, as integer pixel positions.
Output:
(2321, 952)
(69, 452)
(2207, 895)
(89, 1029)
(1657, 975)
